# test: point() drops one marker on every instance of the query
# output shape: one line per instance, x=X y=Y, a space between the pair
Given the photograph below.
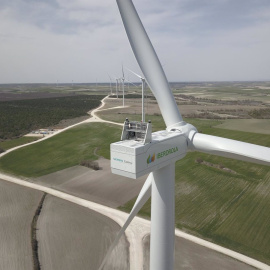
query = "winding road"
x=139 y=227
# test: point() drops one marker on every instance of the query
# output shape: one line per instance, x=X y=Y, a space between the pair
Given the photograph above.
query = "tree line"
x=20 y=117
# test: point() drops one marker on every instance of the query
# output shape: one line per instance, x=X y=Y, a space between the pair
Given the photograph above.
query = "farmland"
x=256 y=91
x=207 y=109
x=5 y=145
x=218 y=199
x=14 y=92
x=215 y=204
x=79 y=236
x=261 y=126
x=61 y=151
x=18 y=205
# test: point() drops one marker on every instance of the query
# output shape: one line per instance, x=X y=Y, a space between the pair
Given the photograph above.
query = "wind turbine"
x=116 y=86
x=129 y=158
x=123 y=86
x=143 y=84
x=110 y=83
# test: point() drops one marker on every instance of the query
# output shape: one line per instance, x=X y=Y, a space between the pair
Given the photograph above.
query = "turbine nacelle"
x=133 y=158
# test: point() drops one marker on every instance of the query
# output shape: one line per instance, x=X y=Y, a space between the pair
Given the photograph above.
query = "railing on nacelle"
x=138 y=131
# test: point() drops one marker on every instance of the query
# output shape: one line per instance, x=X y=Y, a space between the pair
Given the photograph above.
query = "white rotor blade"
x=132 y=83
x=142 y=198
x=135 y=74
x=149 y=63
x=230 y=148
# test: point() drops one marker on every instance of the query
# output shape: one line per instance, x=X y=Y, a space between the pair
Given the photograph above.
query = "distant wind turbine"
x=116 y=86
x=143 y=84
x=110 y=83
x=123 y=85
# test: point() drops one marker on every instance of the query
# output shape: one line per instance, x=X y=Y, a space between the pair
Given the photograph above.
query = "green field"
x=230 y=209
x=16 y=142
x=111 y=115
x=261 y=126
x=61 y=151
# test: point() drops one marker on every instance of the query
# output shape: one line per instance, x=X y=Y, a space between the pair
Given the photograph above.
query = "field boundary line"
x=34 y=241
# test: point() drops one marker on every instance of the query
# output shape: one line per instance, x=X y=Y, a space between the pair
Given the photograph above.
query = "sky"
x=82 y=41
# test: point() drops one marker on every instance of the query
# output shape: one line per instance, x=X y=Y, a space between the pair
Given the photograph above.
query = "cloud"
x=42 y=41
x=61 y=16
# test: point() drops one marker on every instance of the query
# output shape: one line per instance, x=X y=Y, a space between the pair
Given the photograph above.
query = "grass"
x=219 y=205
x=248 y=125
x=61 y=151
x=16 y=142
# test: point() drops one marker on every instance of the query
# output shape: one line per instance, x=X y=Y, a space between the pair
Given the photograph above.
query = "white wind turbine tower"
x=119 y=85
x=110 y=83
x=128 y=157
x=123 y=86
x=116 y=86
x=143 y=84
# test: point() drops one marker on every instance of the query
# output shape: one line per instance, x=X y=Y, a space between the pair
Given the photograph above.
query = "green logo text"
x=167 y=152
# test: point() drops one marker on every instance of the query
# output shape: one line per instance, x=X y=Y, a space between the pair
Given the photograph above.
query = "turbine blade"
x=149 y=63
x=135 y=74
x=142 y=198
x=230 y=148
x=132 y=83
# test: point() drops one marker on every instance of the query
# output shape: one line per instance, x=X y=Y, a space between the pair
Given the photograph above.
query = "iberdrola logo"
x=151 y=159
